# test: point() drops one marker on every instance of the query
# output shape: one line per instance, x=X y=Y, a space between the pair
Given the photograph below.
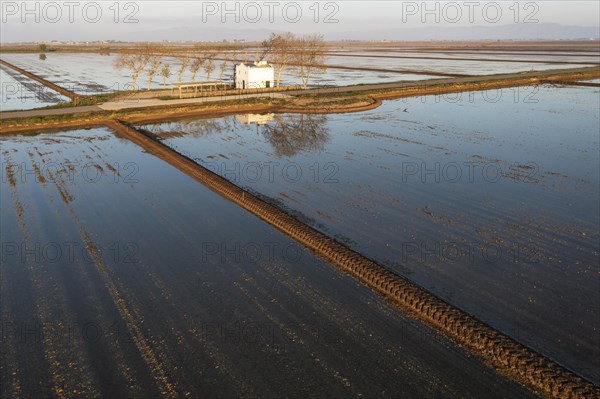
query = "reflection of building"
x=259 y=119
x=250 y=75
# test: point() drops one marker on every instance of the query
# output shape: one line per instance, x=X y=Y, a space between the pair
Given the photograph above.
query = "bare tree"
x=135 y=60
x=153 y=64
x=280 y=49
x=195 y=66
x=234 y=59
x=209 y=64
x=165 y=72
x=267 y=46
x=185 y=60
x=193 y=128
x=309 y=57
x=222 y=70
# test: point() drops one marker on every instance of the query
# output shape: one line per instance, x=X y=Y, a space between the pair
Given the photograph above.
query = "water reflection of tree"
x=291 y=134
x=288 y=134
x=193 y=128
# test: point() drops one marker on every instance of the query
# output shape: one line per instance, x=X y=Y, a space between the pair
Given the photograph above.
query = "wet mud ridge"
x=571 y=83
x=61 y=90
x=542 y=375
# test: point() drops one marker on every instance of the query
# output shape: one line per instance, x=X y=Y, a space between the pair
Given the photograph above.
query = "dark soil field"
x=122 y=277
x=497 y=215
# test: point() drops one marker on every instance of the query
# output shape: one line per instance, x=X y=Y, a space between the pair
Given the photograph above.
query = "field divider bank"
x=72 y=95
x=328 y=100
x=512 y=359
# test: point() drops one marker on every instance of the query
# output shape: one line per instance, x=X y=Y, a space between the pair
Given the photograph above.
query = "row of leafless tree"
x=153 y=60
x=304 y=55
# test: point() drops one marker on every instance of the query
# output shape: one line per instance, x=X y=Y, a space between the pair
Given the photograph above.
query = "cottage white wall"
x=253 y=76
x=259 y=76
x=241 y=74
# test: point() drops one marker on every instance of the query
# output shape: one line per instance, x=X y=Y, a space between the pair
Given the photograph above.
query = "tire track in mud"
x=340 y=317
x=130 y=315
x=219 y=359
x=165 y=295
x=78 y=281
x=242 y=388
x=248 y=282
x=9 y=369
x=63 y=365
x=511 y=358
x=295 y=338
x=334 y=312
x=29 y=281
x=133 y=321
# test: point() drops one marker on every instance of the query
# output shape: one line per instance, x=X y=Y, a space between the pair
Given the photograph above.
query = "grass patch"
x=93 y=99
x=141 y=111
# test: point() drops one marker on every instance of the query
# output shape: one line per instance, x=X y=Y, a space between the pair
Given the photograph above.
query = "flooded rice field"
x=472 y=52
x=123 y=277
x=93 y=73
x=593 y=58
x=459 y=62
x=488 y=199
x=83 y=73
x=20 y=92
x=463 y=67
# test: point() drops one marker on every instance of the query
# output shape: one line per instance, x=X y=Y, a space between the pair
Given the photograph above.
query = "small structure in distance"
x=200 y=86
x=258 y=119
x=254 y=75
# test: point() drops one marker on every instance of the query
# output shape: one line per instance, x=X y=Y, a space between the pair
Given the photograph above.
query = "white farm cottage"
x=250 y=75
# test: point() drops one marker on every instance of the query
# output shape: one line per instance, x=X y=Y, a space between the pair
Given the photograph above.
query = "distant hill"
x=199 y=33
x=502 y=32
x=187 y=30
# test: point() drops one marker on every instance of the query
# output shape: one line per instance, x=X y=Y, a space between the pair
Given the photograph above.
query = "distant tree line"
x=304 y=55
x=152 y=59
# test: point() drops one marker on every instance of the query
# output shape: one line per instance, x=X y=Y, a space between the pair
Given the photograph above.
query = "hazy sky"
x=131 y=20
x=585 y=13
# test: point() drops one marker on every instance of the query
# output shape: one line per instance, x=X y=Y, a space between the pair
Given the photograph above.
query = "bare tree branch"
x=165 y=72
x=309 y=57
x=280 y=49
x=135 y=60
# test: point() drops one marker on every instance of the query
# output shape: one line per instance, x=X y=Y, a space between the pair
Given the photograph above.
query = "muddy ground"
x=122 y=277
